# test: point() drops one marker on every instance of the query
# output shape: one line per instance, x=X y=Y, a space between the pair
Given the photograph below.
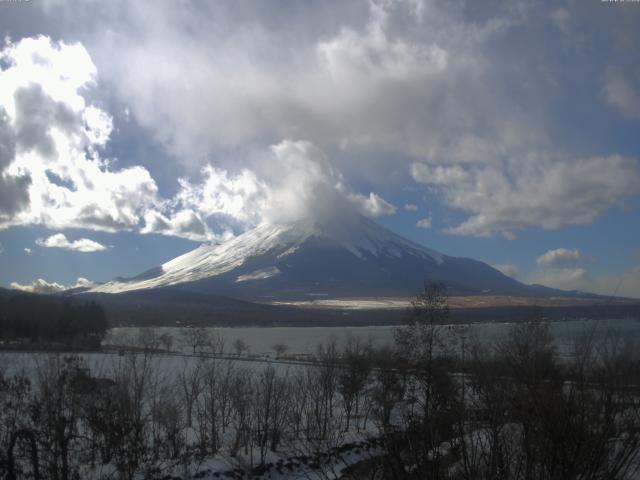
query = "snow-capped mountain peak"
x=361 y=237
x=347 y=256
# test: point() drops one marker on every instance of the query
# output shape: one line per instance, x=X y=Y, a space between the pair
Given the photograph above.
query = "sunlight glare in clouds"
x=57 y=134
x=59 y=139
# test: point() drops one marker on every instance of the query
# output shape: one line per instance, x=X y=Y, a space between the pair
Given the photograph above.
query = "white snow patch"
x=259 y=274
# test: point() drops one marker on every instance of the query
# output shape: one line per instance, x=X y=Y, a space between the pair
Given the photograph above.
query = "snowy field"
x=163 y=379
x=239 y=417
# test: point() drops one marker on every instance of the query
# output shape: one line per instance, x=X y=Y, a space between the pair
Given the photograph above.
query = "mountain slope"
x=308 y=258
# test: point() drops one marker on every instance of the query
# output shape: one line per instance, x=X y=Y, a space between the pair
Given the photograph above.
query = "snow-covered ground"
x=293 y=460
x=166 y=384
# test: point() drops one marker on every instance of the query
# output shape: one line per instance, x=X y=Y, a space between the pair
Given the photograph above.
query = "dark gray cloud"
x=13 y=194
x=36 y=115
x=13 y=189
x=7 y=140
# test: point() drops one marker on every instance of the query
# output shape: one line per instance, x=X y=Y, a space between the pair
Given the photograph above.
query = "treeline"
x=436 y=404
x=48 y=319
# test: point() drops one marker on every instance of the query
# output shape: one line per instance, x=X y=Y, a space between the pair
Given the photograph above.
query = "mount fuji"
x=343 y=257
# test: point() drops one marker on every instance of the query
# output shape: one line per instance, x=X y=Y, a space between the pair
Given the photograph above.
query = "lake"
x=303 y=340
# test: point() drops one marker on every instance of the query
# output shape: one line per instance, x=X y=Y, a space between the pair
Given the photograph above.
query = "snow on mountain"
x=311 y=257
x=261 y=274
x=361 y=238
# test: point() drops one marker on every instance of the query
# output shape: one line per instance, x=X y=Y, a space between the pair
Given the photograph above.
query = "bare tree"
x=168 y=417
x=215 y=404
x=280 y=349
x=323 y=386
x=166 y=340
x=388 y=389
x=241 y=399
x=148 y=339
x=424 y=347
x=197 y=338
x=543 y=418
x=353 y=377
x=15 y=392
x=189 y=380
x=118 y=415
x=270 y=411
x=215 y=342
x=55 y=410
x=240 y=346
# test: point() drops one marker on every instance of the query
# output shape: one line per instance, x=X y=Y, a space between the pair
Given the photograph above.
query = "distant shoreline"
x=455 y=302
x=292 y=316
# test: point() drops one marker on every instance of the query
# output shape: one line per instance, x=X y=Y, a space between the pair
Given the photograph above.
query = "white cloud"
x=214 y=208
x=59 y=240
x=409 y=79
x=561 y=18
x=82 y=282
x=562 y=268
x=303 y=182
x=566 y=269
x=373 y=56
x=621 y=94
x=27 y=250
x=44 y=287
x=538 y=190
x=239 y=197
x=56 y=136
x=300 y=183
x=184 y=223
x=560 y=257
x=564 y=278
x=39 y=286
x=373 y=205
x=307 y=185
x=509 y=269
x=625 y=284
x=410 y=207
x=424 y=222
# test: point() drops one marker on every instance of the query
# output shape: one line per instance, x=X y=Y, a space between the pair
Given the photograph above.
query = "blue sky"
x=133 y=131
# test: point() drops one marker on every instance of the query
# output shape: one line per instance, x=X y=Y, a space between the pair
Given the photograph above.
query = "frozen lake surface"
x=303 y=340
